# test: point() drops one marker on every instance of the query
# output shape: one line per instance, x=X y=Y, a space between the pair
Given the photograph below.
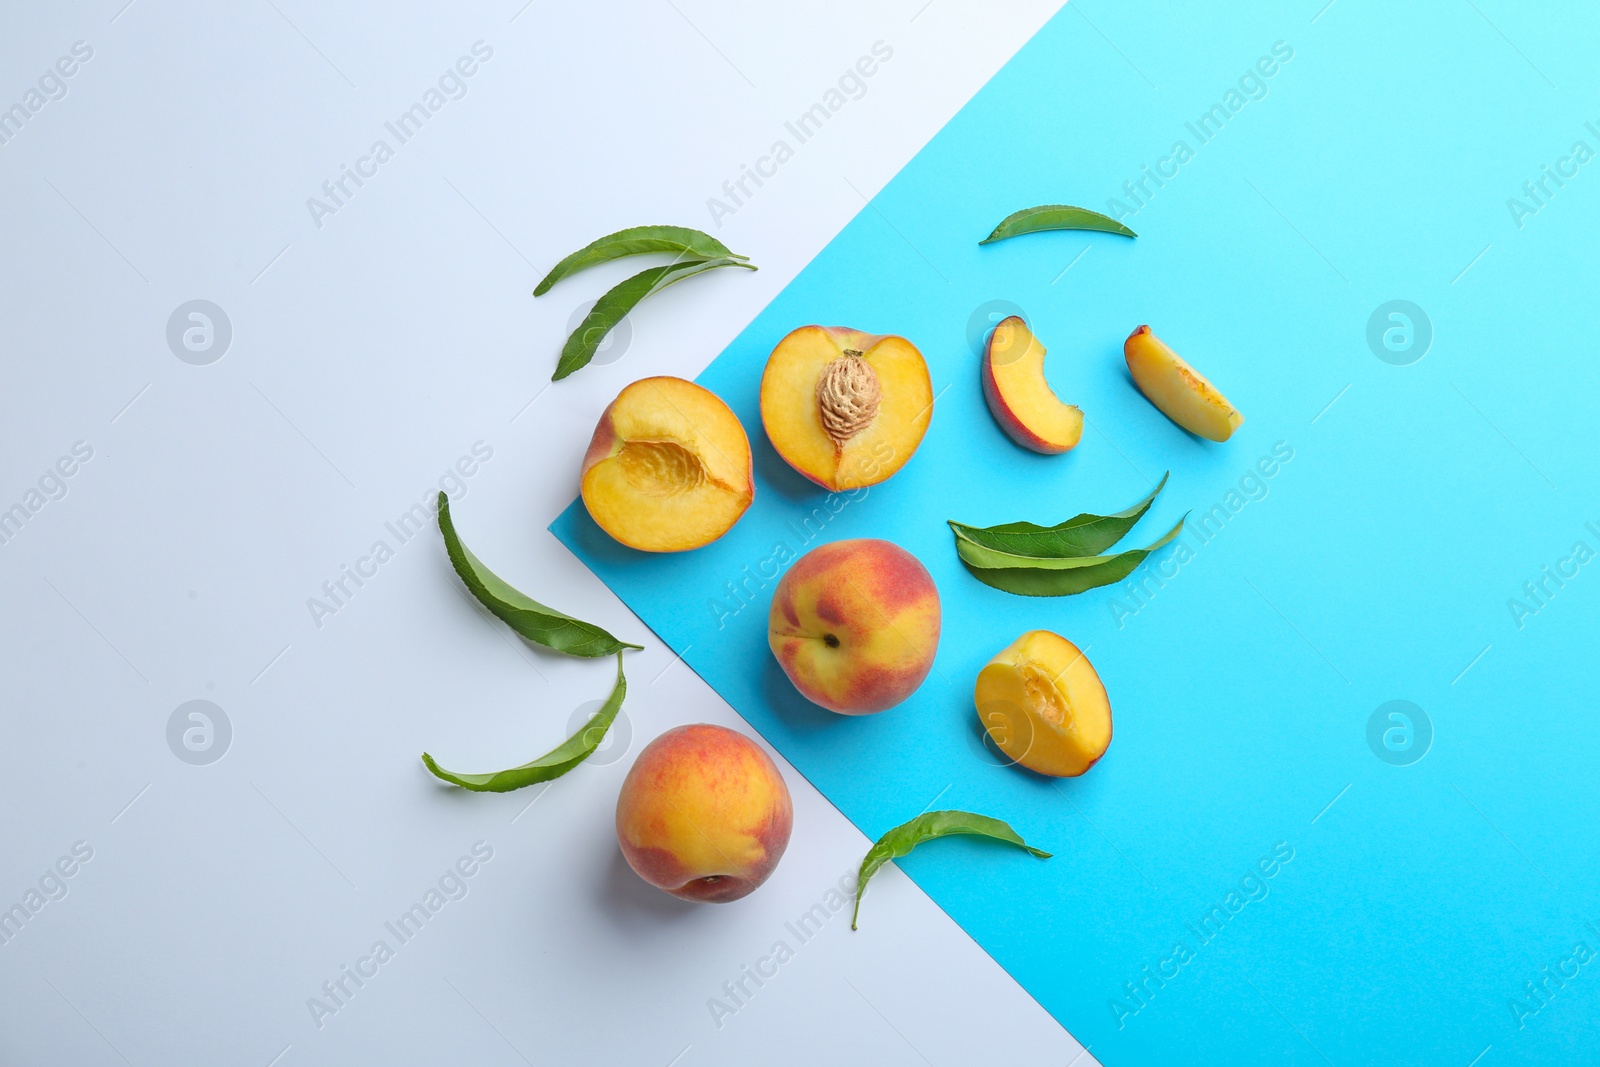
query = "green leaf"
x=637 y=240
x=623 y=298
x=1036 y=576
x=539 y=624
x=1055 y=217
x=553 y=764
x=1081 y=535
x=907 y=836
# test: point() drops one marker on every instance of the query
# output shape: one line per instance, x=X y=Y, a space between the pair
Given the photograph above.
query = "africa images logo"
x=1399 y=733
x=199 y=732
x=199 y=332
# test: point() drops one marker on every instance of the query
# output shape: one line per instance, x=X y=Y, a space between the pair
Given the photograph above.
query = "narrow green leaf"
x=1034 y=576
x=980 y=556
x=1081 y=535
x=1055 y=217
x=637 y=240
x=623 y=298
x=907 y=836
x=553 y=764
x=531 y=619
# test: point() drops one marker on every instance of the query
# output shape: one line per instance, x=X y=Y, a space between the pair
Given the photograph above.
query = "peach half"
x=1179 y=391
x=855 y=625
x=845 y=408
x=668 y=468
x=1044 y=706
x=1019 y=397
x=704 y=814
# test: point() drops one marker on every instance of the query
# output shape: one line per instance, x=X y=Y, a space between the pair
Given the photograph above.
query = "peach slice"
x=1044 y=706
x=668 y=468
x=845 y=408
x=1021 y=400
x=1179 y=391
x=855 y=625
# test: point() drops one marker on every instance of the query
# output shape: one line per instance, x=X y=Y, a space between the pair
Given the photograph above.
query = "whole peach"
x=704 y=814
x=855 y=625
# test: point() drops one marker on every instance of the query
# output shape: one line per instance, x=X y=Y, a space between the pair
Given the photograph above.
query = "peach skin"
x=704 y=814
x=855 y=625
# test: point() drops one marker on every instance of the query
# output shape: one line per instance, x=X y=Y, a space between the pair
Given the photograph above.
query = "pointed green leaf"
x=1034 y=576
x=623 y=298
x=553 y=764
x=531 y=619
x=907 y=836
x=1082 y=535
x=1055 y=217
x=637 y=240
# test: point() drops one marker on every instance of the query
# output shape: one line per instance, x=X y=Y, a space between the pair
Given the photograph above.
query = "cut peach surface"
x=1044 y=706
x=845 y=408
x=1022 y=402
x=1179 y=391
x=668 y=468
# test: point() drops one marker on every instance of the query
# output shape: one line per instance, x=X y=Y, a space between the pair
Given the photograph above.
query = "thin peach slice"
x=1022 y=402
x=1044 y=706
x=845 y=408
x=1180 y=392
x=668 y=468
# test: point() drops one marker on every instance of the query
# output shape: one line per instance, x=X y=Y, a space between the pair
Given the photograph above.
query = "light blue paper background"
x=1378 y=566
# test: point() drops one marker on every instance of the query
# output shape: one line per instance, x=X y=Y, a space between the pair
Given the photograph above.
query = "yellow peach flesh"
x=1044 y=706
x=1020 y=398
x=668 y=468
x=886 y=440
x=1178 y=391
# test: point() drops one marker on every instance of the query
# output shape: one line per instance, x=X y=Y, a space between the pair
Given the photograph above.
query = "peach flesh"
x=845 y=408
x=668 y=468
x=1044 y=706
x=1178 y=391
x=1020 y=398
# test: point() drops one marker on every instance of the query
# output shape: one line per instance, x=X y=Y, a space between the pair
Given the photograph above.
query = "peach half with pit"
x=1020 y=399
x=1044 y=706
x=845 y=408
x=855 y=625
x=704 y=814
x=1178 y=391
x=668 y=468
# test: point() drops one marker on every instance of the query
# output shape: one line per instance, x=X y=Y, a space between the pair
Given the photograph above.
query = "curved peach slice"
x=1022 y=401
x=845 y=408
x=1179 y=391
x=668 y=468
x=1043 y=704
